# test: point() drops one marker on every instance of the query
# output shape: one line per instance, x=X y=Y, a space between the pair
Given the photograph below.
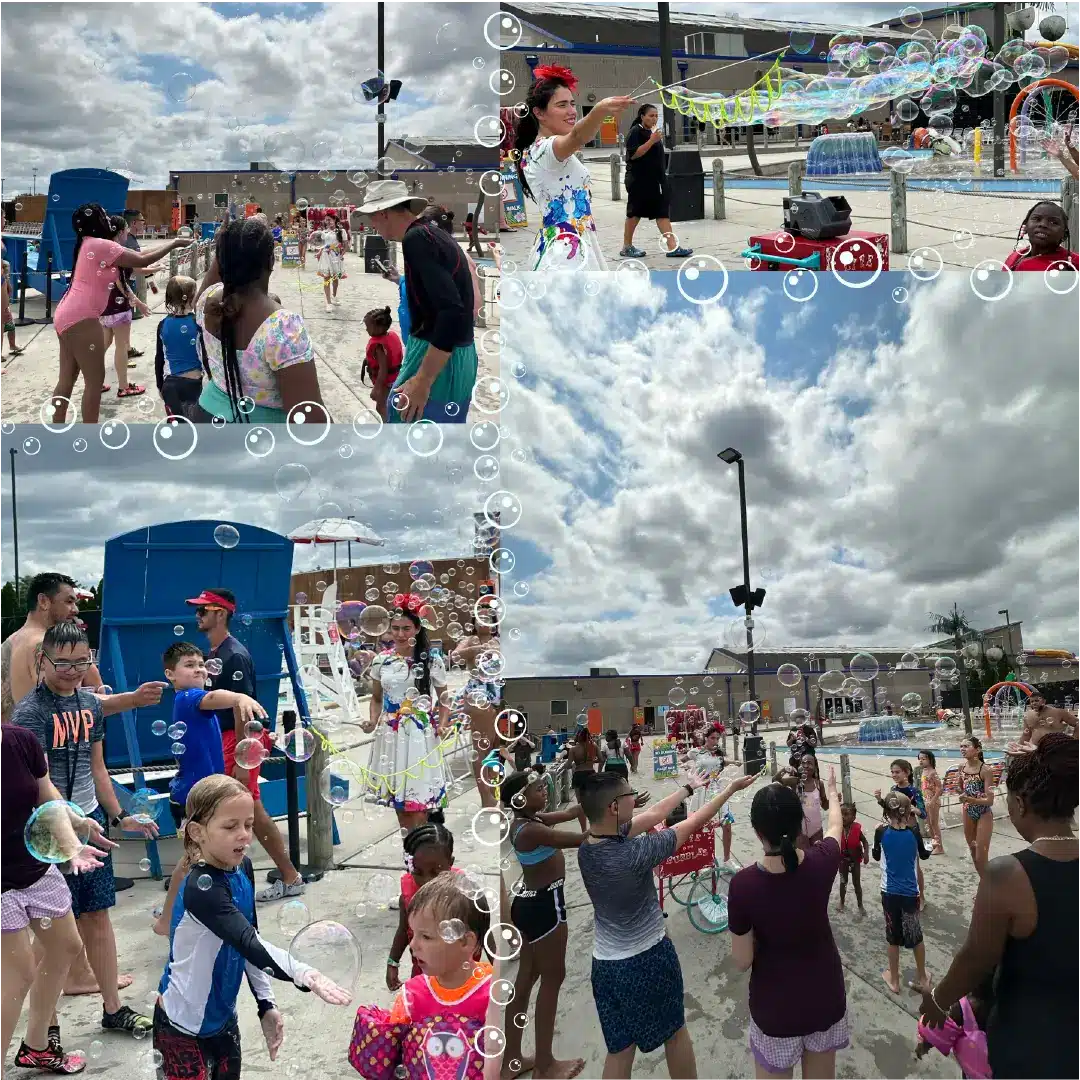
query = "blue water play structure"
x=149 y=573
x=843 y=154
x=68 y=190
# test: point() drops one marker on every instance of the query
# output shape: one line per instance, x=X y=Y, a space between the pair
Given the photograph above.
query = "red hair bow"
x=408 y=602
x=559 y=74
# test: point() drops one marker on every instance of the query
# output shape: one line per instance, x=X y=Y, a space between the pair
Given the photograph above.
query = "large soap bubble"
x=56 y=832
x=331 y=949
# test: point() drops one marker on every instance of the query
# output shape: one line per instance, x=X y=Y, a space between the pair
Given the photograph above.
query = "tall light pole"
x=14 y=525
x=663 y=12
x=34 y=188
x=1008 y=628
x=380 y=119
x=741 y=594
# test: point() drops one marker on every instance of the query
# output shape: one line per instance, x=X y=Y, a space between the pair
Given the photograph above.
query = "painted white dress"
x=408 y=767
x=566 y=239
x=330 y=254
x=711 y=766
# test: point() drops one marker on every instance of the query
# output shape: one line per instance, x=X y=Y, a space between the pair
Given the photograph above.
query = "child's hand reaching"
x=324 y=988
x=273 y=1026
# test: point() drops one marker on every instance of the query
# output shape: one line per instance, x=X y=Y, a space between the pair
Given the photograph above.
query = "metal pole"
x=22 y=320
x=292 y=792
x=48 y=288
x=1000 y=134
x=719 y=200
x=746 y=582
x=1008 y=629
x=14 y=523
x=616 y=163
x=666 y=77
x=380 y=119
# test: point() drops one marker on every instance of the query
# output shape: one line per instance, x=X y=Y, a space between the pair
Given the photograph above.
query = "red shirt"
x=1022 y=261
x=851 y=842
x=392 y=343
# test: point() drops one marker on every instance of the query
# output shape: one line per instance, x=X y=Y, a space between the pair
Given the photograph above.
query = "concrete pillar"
x=796 y=170
x=616 y=165
x=773 y=769
x=719 y=213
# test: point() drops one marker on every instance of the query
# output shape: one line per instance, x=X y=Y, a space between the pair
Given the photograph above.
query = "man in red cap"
x=214 y=609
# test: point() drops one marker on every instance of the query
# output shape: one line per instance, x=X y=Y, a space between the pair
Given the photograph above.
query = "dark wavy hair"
x=528 y=127
x=90 y=220
x=440 y=215
x=421 y=650
x=642 y=110
x=245 y=253
x=1046 y=778
x=776 y=815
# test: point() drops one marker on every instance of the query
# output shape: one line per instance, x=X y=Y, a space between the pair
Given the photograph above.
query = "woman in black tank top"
x=1026 y=915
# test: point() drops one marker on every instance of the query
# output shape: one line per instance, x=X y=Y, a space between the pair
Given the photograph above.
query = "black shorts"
x=189 y=1057
x=621 y=769
x=537 y=912
x=903 y=927
x=579 y=779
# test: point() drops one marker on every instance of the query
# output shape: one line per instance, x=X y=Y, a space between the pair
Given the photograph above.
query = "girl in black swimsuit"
x=583 y=755
x=538 y=910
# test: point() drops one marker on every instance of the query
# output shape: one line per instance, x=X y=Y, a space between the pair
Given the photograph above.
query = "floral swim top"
x=563 y=190
x=279 y=342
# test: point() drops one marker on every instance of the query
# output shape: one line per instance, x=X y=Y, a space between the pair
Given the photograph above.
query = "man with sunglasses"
x=214 y=610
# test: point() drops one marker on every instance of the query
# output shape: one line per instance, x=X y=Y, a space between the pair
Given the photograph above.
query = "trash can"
x=375 y=248
x=686 y=184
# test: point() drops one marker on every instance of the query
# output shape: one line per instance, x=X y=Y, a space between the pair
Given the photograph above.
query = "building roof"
x=695 y=19
x=766 y=660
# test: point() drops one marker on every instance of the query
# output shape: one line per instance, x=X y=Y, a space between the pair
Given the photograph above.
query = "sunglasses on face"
x=201 y=611
x=66 y=666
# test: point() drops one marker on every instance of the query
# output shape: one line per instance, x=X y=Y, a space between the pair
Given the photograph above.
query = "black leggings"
x=189 y=1057
x=181 y=396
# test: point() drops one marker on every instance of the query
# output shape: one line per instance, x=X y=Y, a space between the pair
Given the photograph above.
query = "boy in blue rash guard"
x=195 y=726
x=178 y=369
x=898 y=846
x=214 y=943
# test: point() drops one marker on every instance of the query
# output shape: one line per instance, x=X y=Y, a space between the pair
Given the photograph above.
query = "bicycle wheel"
x=708 y=911
x=680 y=888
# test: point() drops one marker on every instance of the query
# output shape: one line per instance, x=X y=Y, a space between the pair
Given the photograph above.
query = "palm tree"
x=955 y=625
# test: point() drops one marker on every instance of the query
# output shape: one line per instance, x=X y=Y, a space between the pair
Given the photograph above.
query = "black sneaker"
x=127 y=1019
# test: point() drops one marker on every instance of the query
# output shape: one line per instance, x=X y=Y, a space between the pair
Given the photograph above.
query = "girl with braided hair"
x=1024 y=926
x=547 y=142
x=409 y=712
x=1045 y=232
x=259 y=360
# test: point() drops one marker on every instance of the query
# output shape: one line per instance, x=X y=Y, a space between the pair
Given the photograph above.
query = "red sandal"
x=131 y=390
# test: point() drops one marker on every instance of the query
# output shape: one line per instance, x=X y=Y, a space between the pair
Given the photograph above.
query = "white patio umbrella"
x=335 y=531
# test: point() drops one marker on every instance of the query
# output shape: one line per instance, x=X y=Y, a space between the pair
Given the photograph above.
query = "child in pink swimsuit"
x=95 y=266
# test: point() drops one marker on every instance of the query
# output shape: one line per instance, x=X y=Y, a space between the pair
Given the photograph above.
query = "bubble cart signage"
x=290 y=251
x=513 y=198
x=695 y=855
x=665 y=760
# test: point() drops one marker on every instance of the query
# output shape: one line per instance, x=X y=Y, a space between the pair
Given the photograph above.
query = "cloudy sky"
x=74 y=493
x=901 y=454
x=153 y=87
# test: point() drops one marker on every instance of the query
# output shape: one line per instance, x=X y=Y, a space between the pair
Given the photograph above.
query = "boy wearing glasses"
x=69 y=722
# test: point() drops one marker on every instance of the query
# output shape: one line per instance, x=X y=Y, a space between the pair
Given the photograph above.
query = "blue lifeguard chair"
x=68 y=190
x=149 y=574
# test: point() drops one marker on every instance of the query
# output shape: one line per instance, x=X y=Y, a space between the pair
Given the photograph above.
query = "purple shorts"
x=47 y=898
x=779 y=1055
x=109 y=321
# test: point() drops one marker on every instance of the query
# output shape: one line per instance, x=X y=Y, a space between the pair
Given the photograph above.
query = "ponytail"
x=788 y=853
x=528 y=128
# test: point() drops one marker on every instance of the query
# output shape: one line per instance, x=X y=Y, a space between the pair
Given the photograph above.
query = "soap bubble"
x=213 y=666
x=503 y=942
x=293 y=917
x=374 y=621
x=788 y=675
x=178 y=730
x=56 y=832
x=451 y=930
x=250 y=753
x=299 y=744
x=863 y=667
x=226 y=536
x=204 y=882
x=158 y=727
x=911 y=702
x=331 y=949
x=831 y=681
x=144 y=865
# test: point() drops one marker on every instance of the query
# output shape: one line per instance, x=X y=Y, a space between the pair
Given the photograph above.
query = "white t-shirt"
x=397 y=674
